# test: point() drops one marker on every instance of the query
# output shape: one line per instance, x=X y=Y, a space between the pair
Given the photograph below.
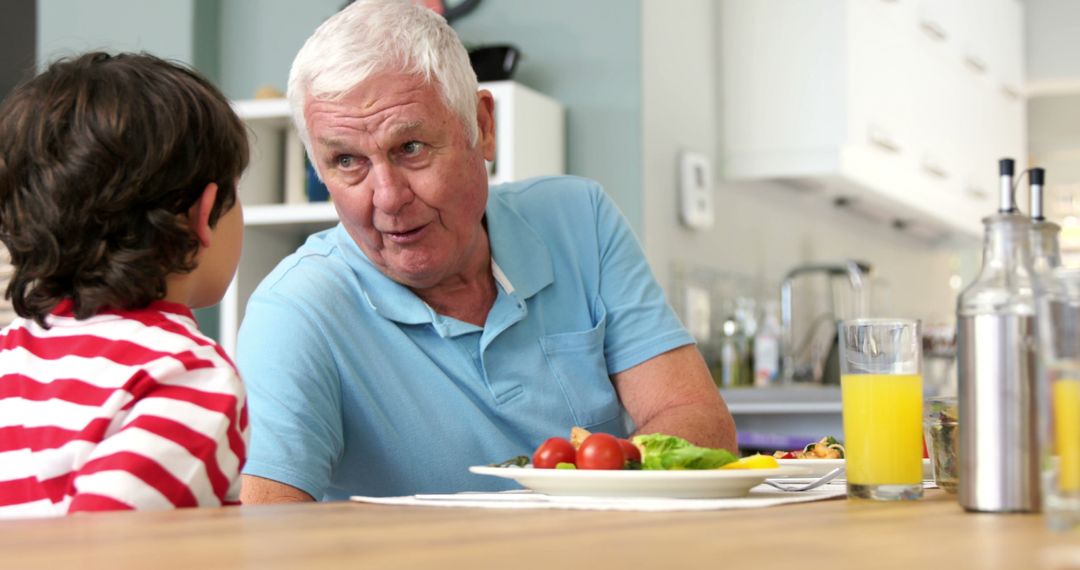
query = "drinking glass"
x=1059 y=398
x=943 y=441
x=881 y=389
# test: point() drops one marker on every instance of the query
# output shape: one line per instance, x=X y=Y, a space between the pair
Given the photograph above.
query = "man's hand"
x=674 y=394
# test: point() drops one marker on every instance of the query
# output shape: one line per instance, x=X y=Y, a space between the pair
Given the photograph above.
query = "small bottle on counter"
x=746 y=318
x=732 y=354
x=767 y=347
x=996 y=358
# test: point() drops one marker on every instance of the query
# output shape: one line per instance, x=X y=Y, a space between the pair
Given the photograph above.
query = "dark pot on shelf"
x=494 y=63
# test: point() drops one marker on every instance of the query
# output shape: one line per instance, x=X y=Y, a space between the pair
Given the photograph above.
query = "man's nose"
x=391 y=190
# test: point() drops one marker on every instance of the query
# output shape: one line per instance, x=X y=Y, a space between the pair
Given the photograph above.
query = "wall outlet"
x=698 y=312
x=695 y=191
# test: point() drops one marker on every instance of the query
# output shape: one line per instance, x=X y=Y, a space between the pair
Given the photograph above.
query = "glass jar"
x=942 y=429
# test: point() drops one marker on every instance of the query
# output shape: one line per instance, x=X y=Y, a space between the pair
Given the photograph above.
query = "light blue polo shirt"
x=357 y=387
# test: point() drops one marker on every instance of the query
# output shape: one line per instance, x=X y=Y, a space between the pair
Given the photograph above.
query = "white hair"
x=368 y=37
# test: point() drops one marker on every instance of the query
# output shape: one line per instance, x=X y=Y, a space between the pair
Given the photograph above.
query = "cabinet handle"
x=934 y=30
x=881 y=139
x=1011 y=92
x=975 y=63
x=934 y=167
x=977 y=192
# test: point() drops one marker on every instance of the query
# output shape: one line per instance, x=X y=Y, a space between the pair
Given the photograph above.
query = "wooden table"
x=933 y=533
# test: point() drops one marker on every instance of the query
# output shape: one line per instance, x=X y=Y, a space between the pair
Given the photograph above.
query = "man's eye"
x=412 y=148
x=345 y=161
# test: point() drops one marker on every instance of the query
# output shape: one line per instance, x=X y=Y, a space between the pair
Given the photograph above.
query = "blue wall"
x=259 y=39
x=586 y=54
x=68 y=27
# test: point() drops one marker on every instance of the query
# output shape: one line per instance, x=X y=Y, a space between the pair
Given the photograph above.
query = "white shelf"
x=274 y=111
x=285 y=214
x=529 y=133
x=1052 y=88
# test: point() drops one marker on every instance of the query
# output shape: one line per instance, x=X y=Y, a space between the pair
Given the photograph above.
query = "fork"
x=811 y=485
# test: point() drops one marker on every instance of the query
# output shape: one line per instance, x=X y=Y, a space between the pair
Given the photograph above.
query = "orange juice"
x=1066 y=413
x=883 y=428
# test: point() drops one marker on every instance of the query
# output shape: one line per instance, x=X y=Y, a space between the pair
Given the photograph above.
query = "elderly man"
x=444 y=324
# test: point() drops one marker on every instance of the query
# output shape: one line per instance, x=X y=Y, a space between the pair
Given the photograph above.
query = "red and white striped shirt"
x=124 y=410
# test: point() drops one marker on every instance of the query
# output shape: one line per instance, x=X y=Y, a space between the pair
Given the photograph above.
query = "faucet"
x=855 y=272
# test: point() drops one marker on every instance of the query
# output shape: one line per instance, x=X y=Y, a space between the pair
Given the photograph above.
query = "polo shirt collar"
x=385 y=296
x=518 y=251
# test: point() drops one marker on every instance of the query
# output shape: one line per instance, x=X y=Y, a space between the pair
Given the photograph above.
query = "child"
x=118 y=206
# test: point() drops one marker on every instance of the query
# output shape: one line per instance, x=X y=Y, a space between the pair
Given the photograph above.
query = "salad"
x=827 y=448
x=656 y=451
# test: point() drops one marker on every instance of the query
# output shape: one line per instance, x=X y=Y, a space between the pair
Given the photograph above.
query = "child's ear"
x=199 y=215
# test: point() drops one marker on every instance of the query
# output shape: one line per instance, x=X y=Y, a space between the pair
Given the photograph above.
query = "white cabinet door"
x=922 y=102
x=879 y=105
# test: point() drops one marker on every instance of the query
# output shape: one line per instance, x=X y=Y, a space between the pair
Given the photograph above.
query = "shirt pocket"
x=577 y=362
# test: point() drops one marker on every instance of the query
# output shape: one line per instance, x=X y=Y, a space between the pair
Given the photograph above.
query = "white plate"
x=819 y=467
x=688 y=484
x=813 y=467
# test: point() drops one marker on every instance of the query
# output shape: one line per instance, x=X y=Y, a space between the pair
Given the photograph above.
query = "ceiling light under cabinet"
x=885 y=215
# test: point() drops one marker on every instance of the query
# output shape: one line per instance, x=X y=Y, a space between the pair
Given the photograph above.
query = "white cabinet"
x=529 y=136
x=278 y=216
x=898 y=109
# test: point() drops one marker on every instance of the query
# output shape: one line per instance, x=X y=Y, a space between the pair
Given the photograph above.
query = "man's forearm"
x=674 y=394
x=703 y=424
x=259 y=491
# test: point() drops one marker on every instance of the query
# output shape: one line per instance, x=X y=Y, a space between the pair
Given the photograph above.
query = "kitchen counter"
x=767 y=418
x=785 y=400
x=836 y=534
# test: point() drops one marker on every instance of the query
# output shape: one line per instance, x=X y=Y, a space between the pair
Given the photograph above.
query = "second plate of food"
x=819 y=467
x=812 y=467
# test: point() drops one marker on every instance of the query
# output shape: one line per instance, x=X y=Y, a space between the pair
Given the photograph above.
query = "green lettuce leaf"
x=661 y=451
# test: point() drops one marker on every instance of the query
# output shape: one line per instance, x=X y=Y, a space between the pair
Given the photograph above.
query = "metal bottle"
x=999 y=470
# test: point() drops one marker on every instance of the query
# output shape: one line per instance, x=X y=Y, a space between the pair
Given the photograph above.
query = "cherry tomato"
x=600 y=451
x=552 y=452
x=630 y=450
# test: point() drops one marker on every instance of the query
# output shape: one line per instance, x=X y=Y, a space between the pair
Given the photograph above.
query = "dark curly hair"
x=101 y=157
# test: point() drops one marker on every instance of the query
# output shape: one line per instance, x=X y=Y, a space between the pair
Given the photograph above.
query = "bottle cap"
x=1006 y=166
x=1035 y=177
x=1006 y=199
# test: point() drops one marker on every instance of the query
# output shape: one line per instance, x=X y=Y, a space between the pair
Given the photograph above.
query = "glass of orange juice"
x=1059 y=397
x=881 y=389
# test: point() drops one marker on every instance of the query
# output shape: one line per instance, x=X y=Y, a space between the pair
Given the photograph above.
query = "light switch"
x=695 y=191
x=698 y=312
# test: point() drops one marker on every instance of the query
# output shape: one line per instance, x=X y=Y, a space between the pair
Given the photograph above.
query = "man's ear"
x=199 y=214
x=485 y=118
